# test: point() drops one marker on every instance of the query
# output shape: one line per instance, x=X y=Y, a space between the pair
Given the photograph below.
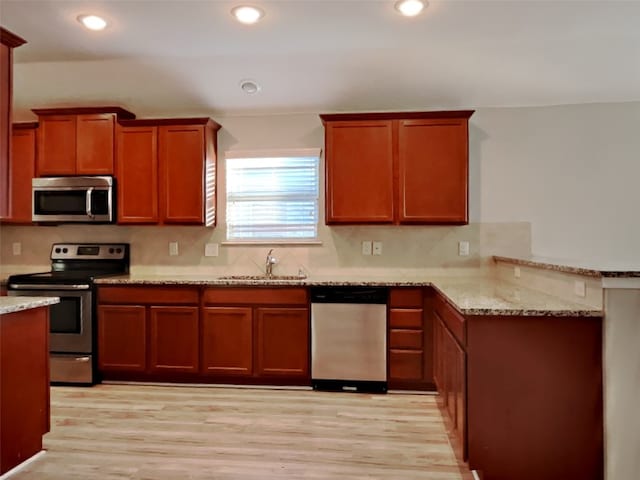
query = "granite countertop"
x=15 y=304
x=593 y=269
x=480 y=295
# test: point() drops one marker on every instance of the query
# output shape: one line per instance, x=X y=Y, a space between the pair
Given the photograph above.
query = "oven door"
x=70 y=321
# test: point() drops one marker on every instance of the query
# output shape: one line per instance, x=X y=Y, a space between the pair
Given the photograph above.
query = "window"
x=272 y=196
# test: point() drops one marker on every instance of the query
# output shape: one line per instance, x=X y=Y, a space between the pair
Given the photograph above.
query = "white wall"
x=572 y=171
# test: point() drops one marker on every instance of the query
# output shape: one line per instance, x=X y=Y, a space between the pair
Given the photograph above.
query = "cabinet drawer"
x=405 y=318
x=406 y=364
x=255 y=296
x=405 y=298
x=148 y=295
x=451 y=318
x=411 y=339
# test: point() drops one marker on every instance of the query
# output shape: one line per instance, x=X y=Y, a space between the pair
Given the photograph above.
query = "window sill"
x=270 y=242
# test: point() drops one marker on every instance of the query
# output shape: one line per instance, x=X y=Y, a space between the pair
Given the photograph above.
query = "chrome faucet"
x=269 y=263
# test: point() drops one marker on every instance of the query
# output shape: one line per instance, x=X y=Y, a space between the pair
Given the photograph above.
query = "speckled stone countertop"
x=481 y=295
x=15 y=304
x=572 y=266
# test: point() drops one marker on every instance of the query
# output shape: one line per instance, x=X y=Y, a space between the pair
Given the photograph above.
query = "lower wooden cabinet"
x=174 y=333
x=122 y=338
x=409 y=341
x=258 y=334
x=24 y=385
x=147 y=332
x=227 y=341
x=217 y=335
x=521 y=395
x=283 y=342
x=450 y=374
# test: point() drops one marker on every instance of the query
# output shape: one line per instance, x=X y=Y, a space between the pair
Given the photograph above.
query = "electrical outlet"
x=366 y=247
x=173 y=248
x=211 y=250
x=377 y=248
x=17 y=248
x=580 y=288
x=516 y=272
x=463 y=249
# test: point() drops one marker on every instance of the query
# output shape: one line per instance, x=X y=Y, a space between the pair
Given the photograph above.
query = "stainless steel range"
x=72 y=327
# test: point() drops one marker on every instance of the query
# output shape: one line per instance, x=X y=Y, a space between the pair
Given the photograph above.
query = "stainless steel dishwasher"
x=349 y=338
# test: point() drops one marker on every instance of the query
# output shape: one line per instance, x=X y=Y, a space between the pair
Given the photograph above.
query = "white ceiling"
x=170 y=56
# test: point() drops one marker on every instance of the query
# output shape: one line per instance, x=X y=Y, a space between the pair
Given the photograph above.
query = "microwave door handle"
x=88 y=202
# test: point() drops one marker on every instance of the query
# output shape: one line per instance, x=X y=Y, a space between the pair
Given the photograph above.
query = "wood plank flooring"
x=143 y=432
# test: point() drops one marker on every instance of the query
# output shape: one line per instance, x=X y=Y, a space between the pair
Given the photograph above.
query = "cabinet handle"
x=88 y=202
x=83 y=359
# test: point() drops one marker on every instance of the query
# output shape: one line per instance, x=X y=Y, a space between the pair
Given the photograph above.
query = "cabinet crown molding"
x=10 y=39
x=337 y=117
x=120 y=112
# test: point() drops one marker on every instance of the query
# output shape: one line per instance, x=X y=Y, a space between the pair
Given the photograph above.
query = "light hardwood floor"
x=147 y=432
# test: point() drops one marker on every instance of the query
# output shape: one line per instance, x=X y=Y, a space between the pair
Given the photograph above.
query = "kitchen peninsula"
x=24 y=377
x=508 y=362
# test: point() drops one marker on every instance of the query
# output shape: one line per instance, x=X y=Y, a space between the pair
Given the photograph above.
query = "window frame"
x=271 y=153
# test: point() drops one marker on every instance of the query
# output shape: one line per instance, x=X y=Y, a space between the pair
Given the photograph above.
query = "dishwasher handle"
x=349 y=294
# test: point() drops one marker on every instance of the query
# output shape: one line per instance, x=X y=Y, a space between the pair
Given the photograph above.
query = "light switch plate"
x=580 y=288
x=211 y=250
x=366 y=247
x=516 y=272
x=173 y=248
x=17 y=248
x=463 y=249
x=377 y=248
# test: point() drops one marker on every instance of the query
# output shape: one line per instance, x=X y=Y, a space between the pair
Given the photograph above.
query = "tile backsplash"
x=403 y=247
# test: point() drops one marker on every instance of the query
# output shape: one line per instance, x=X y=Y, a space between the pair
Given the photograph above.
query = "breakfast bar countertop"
x=15 y=304
x=470 y=295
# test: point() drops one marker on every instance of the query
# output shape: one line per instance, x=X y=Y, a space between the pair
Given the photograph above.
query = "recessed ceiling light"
x=247 y=14
x=92 y=22
x=410 y=8
x=249 y=86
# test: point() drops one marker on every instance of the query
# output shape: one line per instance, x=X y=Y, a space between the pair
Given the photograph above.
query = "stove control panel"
x=89 y=251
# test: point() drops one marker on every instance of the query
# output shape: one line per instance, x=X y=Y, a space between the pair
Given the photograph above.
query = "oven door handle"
x=88 y=203
x=49 y=288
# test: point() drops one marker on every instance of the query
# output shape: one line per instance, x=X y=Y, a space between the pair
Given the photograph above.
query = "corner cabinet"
x=77 y=141
x=521 y=395
x=166 y=171
x=397 y=168
x=8 y=41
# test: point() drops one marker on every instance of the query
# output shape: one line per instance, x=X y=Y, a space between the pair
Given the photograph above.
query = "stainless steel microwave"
x=73 y=200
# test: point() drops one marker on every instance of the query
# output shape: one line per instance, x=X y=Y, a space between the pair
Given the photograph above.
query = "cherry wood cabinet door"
x=21 y=171
x=359 y=172
x=137 y=173
x=56 y=145
x=174 y=335
x=95 y=140
x=182 y=173
x=227 y=341
x=122 y=338
x=283 y=342
x=6 y=74
x=433 y=171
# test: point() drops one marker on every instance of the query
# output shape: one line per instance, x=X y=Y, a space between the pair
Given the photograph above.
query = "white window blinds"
x=272 y=197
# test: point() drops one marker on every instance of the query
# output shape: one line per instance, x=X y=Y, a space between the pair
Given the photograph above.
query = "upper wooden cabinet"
x=77 y=141
x=21 y=171
x=166 y=171
x=397 y=168
x=8 y=41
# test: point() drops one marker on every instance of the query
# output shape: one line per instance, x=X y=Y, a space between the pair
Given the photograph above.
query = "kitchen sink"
x=263 y=277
